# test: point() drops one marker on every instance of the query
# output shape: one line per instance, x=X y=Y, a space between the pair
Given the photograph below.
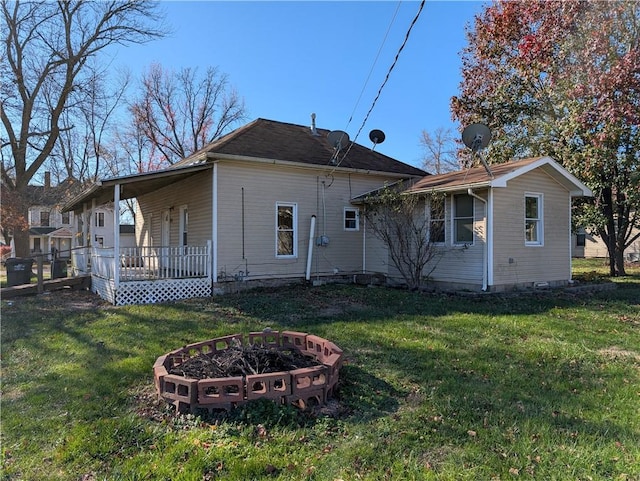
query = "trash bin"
x=18 y=271
x=58 y=268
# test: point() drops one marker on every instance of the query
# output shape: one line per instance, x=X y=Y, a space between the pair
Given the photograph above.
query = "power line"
x=375 y=60
x=375 y=100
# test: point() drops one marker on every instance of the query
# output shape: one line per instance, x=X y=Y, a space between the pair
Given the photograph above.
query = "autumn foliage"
x=562 y=78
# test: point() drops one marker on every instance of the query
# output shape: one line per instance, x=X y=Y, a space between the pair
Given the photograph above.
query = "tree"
x=180 y=112
x=46 y=50
x=440 y=151
x=562 y=78
x=399 y=221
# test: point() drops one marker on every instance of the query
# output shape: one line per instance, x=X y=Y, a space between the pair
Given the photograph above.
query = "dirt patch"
x=615 y=352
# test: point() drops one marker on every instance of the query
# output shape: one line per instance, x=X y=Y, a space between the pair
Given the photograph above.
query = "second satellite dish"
x=338 y=139
x=377 y=137
x=476 y=136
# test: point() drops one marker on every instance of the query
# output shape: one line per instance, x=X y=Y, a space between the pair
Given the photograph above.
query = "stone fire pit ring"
x=303 y=388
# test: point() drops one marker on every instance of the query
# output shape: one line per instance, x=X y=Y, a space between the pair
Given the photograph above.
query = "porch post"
x=214 y=221
x=116 y=236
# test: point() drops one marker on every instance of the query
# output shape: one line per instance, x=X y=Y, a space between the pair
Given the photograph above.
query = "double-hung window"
x=99 y=219
x=351 y=219
x=462 y=219
x=533 y=231
x=44 y=218
x=286 y=230
x=436 y=220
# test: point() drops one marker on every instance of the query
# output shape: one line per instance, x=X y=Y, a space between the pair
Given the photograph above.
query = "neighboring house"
x=507 y=228
x=49 y=227
x=273 y=202
x=591 y=245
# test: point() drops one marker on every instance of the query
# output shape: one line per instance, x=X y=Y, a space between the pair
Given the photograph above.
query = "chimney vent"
x=313 y=125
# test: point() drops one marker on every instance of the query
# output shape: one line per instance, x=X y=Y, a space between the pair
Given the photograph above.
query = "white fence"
x=152 y=262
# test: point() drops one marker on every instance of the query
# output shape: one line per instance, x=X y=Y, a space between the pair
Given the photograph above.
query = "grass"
x=541 y=386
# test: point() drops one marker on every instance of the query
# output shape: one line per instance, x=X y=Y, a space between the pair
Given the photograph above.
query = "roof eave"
x=214 y=156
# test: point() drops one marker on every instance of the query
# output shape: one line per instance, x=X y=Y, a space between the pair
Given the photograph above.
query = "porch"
x=146 y=274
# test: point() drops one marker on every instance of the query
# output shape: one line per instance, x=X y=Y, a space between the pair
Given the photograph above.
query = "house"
x=269 y=202
x=505 y=227
x=275 y=202
x=50 y=229
x=588 y=244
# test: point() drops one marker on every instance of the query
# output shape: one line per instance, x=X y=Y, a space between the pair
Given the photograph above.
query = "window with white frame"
x=184 y=225
x=533 y=232
x=351 y=219
x=286 y=230
x=66 y=218
x=462 y=219
x=436 y=220
x=99 y=219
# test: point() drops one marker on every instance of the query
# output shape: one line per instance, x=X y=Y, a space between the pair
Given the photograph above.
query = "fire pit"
x=303 y=387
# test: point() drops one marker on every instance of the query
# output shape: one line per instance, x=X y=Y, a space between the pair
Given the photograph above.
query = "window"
x=99 y=219
x=184 y=225
x=36 y=244
x=44 y=218
x=533 y=219
x=581 y=240
x=351 y=219
x=463 y=219
x=286 y=232
x=100 y=241
x=436 y=220
x=65 y=218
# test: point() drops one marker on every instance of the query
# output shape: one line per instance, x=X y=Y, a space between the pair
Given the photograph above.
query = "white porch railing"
x=152 y=262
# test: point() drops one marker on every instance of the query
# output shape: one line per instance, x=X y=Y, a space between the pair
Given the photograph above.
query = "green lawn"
x=540 y=386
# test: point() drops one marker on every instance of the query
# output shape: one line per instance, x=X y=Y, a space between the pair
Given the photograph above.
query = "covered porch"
x=141 y=274
x=146 y=275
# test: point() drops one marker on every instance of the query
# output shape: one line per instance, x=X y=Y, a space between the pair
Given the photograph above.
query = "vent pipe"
x=313 y=125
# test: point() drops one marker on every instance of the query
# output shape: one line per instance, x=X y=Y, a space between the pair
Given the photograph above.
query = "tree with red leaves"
x=562 y=78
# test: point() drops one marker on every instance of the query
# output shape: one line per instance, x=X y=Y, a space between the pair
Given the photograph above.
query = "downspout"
x=312 y=233
x=485 y=249
x=570 y=243
x=364 y=244
x=214 y=222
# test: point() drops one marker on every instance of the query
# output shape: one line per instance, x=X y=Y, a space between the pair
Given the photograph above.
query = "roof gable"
x=268 y=139
x=502 y=174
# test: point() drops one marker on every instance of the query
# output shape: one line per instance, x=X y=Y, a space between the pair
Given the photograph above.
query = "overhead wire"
x=375 y=61
x=375 y=100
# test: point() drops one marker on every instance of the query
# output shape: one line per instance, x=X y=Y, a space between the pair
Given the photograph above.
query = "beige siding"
x=195 y=193
x=515 y=263
x=461 y=265
x=247 y=242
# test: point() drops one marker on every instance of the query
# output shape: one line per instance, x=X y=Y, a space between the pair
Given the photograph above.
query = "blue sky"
x=289 y=59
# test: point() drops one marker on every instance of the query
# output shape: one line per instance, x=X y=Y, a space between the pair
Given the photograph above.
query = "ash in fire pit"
x=243 y=361
x=222 y=373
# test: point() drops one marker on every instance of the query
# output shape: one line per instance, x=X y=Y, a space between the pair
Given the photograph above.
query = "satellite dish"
x=476 y=136
x=377 y=137
x=338 y=139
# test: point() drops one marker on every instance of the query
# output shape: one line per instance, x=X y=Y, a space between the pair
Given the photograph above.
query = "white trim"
x=214 y=222
x=356 y=219
x=116 y=235
x=294 y=213
x=540 y=219
x=181 y=225
x=489 y=235
x=454 y=241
